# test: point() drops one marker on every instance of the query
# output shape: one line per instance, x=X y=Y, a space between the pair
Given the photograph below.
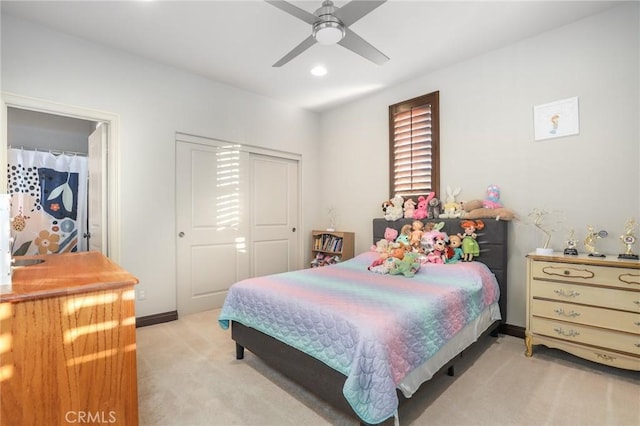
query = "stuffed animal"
x=394 y=211
x=454 y=249
x=381 y=246
x=473 y=210
x=492 y=200
x=408 y=266
x=382 y=266
x=405 y=235
x=409 y=208
x=421 y=209
x=428 y=236
x=451 y=208
x=398 y=251
x=439 y=252
x=416 y=233
x=470 y=246
x=390 y=234
x=433 y=210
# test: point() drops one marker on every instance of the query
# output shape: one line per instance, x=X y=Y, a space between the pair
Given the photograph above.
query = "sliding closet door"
x=274 y=214
x=237 y=217
x=212 y=184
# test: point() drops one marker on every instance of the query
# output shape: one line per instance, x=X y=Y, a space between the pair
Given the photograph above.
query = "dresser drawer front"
x=623 y=278
x=605 y=297
x=625 y=342
x=587 y=315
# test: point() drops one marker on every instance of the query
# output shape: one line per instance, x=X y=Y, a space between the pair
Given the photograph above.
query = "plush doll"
x=409 y=208
x=439 y=252
x=394 y=212
x=408 y=266
x=451 y=208
x=433 y=209
x=454 y=249
x=473 y=210
x=416 y=233
x=470 y=246
x=381 y=246
x=492 y=200
x=428 y=236
x=405 y=235
x=383 y=266
x=398 y=251
x=390 y=234
x=421 y=209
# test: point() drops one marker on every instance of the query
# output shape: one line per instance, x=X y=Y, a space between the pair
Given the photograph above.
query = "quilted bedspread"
x=372 y=328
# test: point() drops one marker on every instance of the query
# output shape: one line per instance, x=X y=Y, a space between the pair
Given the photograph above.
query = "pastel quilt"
x=372 y=328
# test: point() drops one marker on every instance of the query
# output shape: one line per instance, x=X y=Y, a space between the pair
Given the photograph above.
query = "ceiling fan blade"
x=307 y=17
x=306 y=43
x=356 y=9
x=357 y=44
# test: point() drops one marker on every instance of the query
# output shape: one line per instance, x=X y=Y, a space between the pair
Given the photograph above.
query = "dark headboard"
x=492 y=240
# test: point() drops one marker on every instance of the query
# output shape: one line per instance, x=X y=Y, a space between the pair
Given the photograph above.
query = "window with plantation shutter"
x=414 y=146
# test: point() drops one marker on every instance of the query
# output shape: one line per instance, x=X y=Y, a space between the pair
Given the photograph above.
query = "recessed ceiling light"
x=319 y=71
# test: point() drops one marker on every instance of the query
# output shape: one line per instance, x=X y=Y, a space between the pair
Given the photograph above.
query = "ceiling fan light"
x=328 y=32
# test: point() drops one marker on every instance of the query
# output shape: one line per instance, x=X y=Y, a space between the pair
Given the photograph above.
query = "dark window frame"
x=432 y=99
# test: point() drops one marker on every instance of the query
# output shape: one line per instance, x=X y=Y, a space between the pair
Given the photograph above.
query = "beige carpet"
x=188 y=375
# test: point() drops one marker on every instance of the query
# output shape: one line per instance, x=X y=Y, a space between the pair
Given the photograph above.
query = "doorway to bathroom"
x=60 y=160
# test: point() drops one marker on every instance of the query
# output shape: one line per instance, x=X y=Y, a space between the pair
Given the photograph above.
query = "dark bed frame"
x=327 y=383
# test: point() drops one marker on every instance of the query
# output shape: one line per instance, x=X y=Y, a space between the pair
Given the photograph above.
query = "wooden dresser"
x=67 y=343
x=586 y=306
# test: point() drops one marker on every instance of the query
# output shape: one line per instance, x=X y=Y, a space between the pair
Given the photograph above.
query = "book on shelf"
x=328 y=242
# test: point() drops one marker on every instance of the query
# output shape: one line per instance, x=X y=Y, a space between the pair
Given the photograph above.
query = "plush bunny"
x=451 y=207
x=409 y=208
x=423 y=203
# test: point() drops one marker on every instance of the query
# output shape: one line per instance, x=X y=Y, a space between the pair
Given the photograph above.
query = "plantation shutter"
x=414 y=146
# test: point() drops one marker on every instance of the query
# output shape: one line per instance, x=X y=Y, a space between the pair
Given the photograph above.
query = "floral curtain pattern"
x=48 y=202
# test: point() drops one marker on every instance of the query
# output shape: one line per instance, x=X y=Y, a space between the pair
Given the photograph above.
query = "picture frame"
x=556 y=119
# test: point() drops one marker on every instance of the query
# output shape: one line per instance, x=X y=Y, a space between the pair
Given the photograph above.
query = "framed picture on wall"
x=556 y=119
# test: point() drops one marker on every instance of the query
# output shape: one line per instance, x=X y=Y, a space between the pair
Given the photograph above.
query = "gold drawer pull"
x=637 y=323
x=637 y=345
x=570 y=293
x=605 y=357
x=570 y=314
x=637 y=302
x=570 y=333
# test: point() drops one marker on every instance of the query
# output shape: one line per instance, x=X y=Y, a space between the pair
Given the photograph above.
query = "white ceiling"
x=237 y=42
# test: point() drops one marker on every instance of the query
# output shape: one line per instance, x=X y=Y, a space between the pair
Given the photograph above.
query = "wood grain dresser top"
x=64 y=274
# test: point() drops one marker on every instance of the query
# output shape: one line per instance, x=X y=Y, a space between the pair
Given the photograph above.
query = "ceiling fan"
x=330 y=24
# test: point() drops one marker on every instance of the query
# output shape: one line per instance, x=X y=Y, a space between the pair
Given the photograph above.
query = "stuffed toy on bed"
x=408 y=266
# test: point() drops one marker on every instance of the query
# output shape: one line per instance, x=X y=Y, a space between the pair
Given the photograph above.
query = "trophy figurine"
x=628 y=239
x=571 y=245
x=590 y=241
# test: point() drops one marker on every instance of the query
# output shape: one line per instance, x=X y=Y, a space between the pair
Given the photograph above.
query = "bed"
x=366 y=342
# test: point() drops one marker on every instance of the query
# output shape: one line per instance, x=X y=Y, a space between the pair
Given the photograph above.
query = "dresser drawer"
x=624 y=278
x=587 y=315
x=605 y=297
x=618 y=341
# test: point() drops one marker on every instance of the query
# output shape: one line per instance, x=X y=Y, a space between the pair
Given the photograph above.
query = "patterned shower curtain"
x=48 y=202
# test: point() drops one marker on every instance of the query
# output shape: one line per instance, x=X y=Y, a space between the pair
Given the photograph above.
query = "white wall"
x=153 y=103
x=486 y=123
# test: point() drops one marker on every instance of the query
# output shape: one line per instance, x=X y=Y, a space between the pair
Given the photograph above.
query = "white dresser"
x=586 y=306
